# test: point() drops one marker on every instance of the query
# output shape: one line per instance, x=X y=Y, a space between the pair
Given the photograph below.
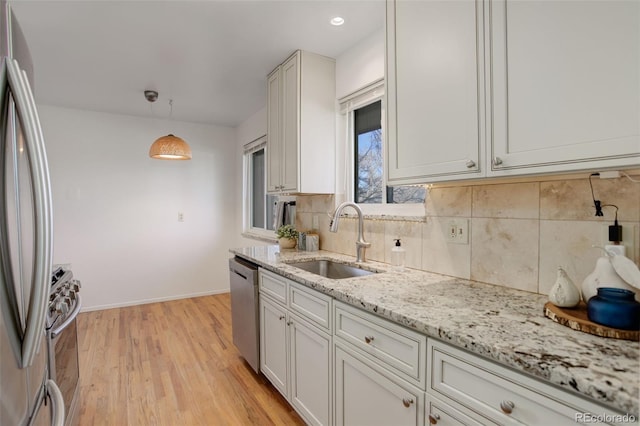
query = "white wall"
x=361 y=65
x=115 y=209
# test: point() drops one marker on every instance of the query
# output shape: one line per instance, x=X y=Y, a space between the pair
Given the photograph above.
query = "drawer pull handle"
x=433 y=418
x=407 y=402
x=281 y=317
x=368 y=339
x=507 y=407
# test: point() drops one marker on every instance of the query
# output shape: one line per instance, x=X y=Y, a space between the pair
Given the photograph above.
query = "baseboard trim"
x=156 y=300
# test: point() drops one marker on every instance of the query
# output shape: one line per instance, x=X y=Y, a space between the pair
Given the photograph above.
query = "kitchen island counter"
x=502 y=324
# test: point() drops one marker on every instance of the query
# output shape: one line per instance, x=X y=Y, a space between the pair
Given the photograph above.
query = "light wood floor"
x=174 y=364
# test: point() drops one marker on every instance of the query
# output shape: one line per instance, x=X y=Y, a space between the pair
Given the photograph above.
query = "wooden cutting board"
x=576 y=319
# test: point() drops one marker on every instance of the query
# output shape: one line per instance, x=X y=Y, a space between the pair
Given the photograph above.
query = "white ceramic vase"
x=564 y=293
x=604 y=275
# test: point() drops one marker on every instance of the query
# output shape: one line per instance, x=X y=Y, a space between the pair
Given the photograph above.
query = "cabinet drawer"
x=499 y=393
x=441 y=414
x=273 y=285
x=403 y=350
x=313 y=306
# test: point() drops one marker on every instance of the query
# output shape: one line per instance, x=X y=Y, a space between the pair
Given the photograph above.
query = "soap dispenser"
x=397 y=256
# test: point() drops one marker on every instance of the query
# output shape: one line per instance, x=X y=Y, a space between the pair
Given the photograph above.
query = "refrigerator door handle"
x=8 y=298
x=57 y=403
x=34 y=140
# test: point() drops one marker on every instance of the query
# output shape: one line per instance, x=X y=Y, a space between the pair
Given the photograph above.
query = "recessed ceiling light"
x=337 y=21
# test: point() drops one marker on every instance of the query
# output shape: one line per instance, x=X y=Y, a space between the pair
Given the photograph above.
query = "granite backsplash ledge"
x=502 y=324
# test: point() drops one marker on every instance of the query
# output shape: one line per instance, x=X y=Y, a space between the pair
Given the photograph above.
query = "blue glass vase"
x=614 y=307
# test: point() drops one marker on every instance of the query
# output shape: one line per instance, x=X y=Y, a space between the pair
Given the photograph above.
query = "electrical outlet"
x=180 y=217
x=315 y=222
x=458 y=231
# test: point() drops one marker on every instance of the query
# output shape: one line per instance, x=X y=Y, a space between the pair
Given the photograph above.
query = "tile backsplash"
x=519 y=233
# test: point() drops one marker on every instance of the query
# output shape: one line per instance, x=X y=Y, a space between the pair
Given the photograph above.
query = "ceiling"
x=210 y=57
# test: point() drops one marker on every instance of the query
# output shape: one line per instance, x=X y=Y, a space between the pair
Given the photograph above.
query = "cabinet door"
x=310 y=354
x=435 y=90
x=273 y=343
x=566 y=85
x=274 y=142
x=290 y=122
x=365 y=396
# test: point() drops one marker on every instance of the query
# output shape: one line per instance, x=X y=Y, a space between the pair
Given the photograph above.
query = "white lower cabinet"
x=491 y=393
x=295 y=354
x=368 y=395
x=337 y=364
x=273 y=343
x=310 y=368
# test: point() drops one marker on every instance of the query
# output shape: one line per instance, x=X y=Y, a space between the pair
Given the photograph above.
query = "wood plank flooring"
x=174 y=364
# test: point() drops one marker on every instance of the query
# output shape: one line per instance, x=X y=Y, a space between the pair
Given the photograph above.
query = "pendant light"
x=168 y=147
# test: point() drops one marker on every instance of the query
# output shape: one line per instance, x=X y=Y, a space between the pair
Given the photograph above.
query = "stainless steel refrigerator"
x=27 y=396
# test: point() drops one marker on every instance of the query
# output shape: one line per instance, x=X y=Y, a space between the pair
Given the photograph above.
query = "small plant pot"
x=286 y=243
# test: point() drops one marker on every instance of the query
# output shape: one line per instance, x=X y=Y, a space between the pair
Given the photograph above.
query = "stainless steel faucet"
x=361 y=244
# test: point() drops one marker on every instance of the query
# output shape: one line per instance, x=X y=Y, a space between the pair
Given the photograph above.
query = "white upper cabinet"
x=511 y=87
x=435 y=90
x=565 y=85
x=301 y=114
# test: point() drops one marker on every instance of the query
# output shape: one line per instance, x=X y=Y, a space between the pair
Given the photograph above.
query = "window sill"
x=260 y=237
x=393 y=212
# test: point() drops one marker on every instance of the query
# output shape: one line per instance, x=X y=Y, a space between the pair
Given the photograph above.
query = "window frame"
x=368 y=95
x=248 y=229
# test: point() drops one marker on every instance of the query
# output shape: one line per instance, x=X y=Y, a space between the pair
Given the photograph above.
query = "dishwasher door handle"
x=238 y=273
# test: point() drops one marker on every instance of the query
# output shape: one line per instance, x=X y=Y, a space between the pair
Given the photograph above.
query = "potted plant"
x=287 y=236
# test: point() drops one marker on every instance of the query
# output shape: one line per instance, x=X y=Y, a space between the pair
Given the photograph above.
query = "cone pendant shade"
x=170 y=147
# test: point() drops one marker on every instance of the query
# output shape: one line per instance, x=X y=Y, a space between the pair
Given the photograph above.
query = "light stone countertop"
x=502 y=324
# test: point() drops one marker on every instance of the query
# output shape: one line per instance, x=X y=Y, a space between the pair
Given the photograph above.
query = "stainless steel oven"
x=62 y=331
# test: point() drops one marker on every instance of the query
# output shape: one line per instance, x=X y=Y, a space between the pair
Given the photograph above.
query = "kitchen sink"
x=330 y=269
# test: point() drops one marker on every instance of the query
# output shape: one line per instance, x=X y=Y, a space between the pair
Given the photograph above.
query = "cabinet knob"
x=497 y=161
x=507 y=407
x=470 y=164
x=289 y=322
x=433 y=418
x=407 y=402
x=281 y=317
x=368 y=339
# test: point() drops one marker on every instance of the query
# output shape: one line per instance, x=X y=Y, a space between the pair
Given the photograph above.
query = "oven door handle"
x=70 y=318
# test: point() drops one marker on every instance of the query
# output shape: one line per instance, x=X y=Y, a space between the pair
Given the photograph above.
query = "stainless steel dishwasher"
x=245 y=320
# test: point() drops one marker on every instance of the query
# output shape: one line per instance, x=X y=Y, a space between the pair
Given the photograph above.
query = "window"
x=364 y=112
x=258 y=204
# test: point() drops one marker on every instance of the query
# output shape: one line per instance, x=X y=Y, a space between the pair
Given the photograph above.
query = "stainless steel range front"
x=64 y=306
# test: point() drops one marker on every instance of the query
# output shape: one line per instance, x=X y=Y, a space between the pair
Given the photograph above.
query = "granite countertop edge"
x=502 y=324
